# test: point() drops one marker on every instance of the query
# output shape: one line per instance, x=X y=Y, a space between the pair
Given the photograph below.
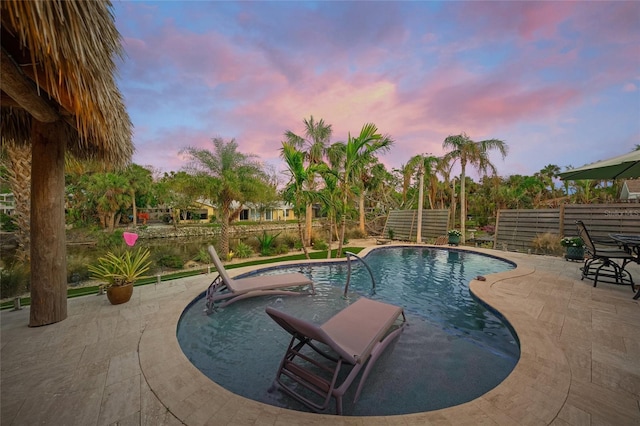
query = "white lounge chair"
x=353 y=338
x=228 y=290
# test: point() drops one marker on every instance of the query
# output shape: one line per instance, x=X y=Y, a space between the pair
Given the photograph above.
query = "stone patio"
x=108 y=365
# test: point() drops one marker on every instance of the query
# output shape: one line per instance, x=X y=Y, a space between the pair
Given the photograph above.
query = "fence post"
x=495 y=231
x=561 y=230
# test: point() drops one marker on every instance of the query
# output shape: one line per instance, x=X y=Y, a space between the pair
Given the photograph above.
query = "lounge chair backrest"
x=304 y=329
x=219 y=267
x=584 y=235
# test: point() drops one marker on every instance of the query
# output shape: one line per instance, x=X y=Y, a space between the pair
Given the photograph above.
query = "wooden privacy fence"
x=403 y=224
x=516 y=229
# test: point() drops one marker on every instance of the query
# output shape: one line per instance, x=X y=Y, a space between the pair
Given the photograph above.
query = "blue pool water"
x=453 y=350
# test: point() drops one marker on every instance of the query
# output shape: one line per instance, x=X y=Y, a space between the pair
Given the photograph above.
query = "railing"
x=373 y=280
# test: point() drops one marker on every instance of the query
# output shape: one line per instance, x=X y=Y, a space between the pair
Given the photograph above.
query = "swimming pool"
x=453 y=350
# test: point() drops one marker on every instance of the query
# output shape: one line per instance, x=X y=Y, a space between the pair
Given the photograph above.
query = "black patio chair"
x=602 y=260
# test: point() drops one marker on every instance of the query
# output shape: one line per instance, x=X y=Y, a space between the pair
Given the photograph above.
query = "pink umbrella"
x=130 y=238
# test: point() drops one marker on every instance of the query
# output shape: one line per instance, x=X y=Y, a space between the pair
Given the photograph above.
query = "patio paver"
x=106 y=365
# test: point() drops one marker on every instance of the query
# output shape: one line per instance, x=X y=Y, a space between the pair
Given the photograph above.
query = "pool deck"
x=108 y=365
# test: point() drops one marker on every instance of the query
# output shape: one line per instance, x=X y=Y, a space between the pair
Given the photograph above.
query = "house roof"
x=633 y=186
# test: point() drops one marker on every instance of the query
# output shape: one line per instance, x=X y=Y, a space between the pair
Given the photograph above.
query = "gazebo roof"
x=58 y=62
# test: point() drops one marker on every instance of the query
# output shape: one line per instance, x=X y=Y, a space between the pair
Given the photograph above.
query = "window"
x=244 y=214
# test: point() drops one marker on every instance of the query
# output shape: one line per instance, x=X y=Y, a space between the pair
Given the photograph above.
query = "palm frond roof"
x=65 y=52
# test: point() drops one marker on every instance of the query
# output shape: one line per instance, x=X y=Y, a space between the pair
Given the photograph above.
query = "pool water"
x=453 y=350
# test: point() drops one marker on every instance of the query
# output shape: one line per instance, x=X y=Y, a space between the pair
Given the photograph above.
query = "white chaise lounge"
x=227 y=290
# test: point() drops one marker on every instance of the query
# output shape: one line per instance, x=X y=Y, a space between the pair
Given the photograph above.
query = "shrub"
x=266 y=243
x=14 y=280
x=202 y=256
x=167 y=257
x=289 y=240
x=320 y=245
x=547 y=243
x=111 y=241
x=171 y=261
x=356 y=233
x=243 y=250
x=7 y=223
x=77 y=268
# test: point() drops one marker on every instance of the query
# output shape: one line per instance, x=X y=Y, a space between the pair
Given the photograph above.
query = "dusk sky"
x=559 y=82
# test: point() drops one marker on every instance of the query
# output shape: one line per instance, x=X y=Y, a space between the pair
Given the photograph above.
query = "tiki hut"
x=59 y=97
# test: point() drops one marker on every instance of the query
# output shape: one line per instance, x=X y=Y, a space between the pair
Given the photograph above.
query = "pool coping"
x=534 y=392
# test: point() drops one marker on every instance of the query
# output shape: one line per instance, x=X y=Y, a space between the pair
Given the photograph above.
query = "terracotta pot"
x=119 y=294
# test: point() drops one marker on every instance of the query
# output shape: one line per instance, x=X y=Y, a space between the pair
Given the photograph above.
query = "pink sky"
x=557 y=81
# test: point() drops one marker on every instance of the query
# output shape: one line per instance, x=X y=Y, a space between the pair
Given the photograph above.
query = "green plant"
x=77 y=268
x=202 y=255
x=14 y=280
x=266 y=243
x=7 y=223
x=572 y=242
x=454 y=233
x=243 y=250
x=171 y=261
x=547 y=243
x=111 y=240
x=123 y=269
x=391 y=233
x=320 y=245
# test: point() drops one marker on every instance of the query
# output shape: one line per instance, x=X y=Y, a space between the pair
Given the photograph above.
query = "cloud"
x=543 y=72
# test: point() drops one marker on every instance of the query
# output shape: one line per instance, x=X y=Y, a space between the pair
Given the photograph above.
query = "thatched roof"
x=58 y=59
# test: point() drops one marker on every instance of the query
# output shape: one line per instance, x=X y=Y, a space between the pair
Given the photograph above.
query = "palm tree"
x=475 y=154
x=425 y=164
x=357 y=153
x=295 y=192
x=139 y=184
x=316 y=140
x=111 y=195
x=236 y=177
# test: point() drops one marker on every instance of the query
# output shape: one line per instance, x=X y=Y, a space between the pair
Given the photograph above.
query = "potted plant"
x=574 y=248
x=120 y=271
x=454 y=237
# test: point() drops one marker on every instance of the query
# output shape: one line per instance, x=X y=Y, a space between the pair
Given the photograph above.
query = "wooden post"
x=48 y=240
x=495 y=231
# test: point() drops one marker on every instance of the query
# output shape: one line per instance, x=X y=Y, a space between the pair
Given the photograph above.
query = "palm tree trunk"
x=330 y=235
x=301 y=234
x=463 y=203
x=20 y=183
x=361 y=208
x=420 y=203
x=308 y=224
x=344 y=226
x=48 y=242
x=135 y=208
x=224 y=233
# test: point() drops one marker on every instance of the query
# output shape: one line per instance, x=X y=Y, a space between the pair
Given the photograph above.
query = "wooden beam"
x=23 y=91
x=48 y=241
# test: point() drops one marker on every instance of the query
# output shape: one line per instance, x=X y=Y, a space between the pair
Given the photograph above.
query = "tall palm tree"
x=425 y=164
x=236 y=177
x=316 y=140
x=470 y=152
x=111 y=195
x=357 y=153
x=296 y=192
x=139 y=184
